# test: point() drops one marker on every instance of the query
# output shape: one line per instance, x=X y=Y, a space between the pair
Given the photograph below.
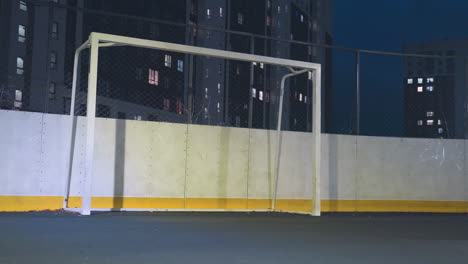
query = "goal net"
x=178 y=127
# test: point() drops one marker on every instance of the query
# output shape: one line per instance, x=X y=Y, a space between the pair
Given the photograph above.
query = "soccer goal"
x=185 y=128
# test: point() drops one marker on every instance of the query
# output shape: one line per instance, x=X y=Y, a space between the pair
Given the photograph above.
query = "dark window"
x=52 y=87
x=54 y=30
x=53 y=60
x=66 y=105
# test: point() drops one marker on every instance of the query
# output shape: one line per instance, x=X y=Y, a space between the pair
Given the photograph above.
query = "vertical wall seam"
x=248 y=167
x=41 y=154
x=186 y=164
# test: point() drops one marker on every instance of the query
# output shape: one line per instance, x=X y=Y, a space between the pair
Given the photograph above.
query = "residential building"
x=435 y=89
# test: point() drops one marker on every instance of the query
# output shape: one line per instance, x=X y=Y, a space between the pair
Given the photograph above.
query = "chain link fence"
x=364 y=93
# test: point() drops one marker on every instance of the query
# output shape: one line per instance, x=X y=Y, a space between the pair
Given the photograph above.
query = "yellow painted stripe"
x=33 y=203
x=294 y=205
x=137 y=202
x=216 y=203
x=259 y=204
x=394 y=206
x=30 y=203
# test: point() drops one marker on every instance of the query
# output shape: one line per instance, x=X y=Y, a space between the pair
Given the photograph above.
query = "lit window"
x=220 y=12
x=420 y=122
x=310 y=75
x=410 y=81
x=21 y=33
x=439 y=122
x=420 y=80
x=18 y=96
x=305 y=99
x=240 y=18
x=180 y=107
x=430 y=80
x=430 y=114
x=300 y=97
x=430 y=122
x=207 y=73
x=23 y=6
x=218 y=106
x=18 y=99
x=206 y=113
x=52 y=86
x=54 y=30
x=137 y=117
x=206 y=93
x=254 y=63
x=279 y=9
x=180 y=65
x=441 y=130
x=19 y=66
x=430 y=88
x=260 y=95
x=302 y=18
x=53 y=60
x=261 y=65
x=254 y=93
x=208 y=13
x=219 y=88
x=167 y=103
x=153 y=77
x=167 y=61
x=420 y=89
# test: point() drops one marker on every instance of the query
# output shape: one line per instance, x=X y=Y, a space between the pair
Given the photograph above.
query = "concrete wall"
x=142 y=164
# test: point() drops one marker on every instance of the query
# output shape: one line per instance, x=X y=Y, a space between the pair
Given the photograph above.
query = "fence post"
x=358 y=93
x=252 y=47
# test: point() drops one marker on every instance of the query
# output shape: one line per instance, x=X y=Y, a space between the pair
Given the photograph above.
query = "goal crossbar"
x=100 y=40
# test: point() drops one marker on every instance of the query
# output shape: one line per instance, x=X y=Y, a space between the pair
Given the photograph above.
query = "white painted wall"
x=150 y=159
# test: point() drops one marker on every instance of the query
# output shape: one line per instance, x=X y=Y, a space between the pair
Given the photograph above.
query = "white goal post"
x=100 y=40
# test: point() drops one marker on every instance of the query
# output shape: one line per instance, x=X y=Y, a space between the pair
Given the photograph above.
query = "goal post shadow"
x=100 y=40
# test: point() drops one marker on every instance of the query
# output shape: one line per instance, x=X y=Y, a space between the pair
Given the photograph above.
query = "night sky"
x=384 y=26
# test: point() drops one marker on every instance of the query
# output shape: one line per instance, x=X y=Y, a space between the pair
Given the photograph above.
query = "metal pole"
x=358 y=93
x=278 y=130
x=252 y=46
x=190 y=107
x=317 y=130
x=72 y=123
x=91 y=123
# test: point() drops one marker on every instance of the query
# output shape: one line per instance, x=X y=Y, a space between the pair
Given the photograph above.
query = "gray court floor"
x=232 y=238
